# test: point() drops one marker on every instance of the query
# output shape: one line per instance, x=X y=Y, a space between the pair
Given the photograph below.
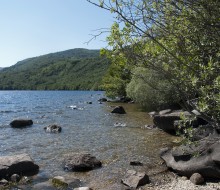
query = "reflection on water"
x=90 y=129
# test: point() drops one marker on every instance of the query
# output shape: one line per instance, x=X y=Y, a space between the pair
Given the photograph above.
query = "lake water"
x=88 y=129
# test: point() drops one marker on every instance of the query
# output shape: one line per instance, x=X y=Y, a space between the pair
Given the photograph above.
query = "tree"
x=179 y=39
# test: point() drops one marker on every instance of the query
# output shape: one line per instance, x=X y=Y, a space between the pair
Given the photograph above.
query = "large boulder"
x=166 y=121
x=201 y=157
x=135 y=179
x=81 y=162
x=19 y=164
x=21 y=123
x=118 y=110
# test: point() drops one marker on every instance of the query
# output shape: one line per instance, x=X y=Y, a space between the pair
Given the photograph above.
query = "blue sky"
x=30 y=28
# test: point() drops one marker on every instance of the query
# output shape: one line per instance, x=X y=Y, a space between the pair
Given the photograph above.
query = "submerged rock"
x=81 y=162
x=200 y=157
x=102 y=100
x=19 y=164
x=58 y=182
x=44 y=185
x=53 y=129
x=120 y=124
x=118 y=110
x=21 y=123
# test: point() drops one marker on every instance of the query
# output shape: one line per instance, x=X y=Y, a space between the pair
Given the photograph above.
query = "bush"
x=150 y=90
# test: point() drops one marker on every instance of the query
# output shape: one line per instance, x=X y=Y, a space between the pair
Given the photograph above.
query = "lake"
x=87 y=129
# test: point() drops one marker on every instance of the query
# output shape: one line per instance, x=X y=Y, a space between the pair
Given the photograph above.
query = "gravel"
x=181 y=183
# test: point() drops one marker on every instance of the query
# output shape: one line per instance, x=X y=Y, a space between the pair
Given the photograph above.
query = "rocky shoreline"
x=201 y=158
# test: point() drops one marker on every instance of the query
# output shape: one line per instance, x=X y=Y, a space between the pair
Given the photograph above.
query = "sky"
x=30 y=28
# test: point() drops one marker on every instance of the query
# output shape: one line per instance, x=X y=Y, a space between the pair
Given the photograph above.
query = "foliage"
x=117 y=76
x=77 y=69
x=178 y=39
x=150 y=90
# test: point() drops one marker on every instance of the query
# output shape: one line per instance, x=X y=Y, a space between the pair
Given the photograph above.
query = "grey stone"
x=44 y=185
x=4 y=182
x=162 y=112
x=80 y=162
x=18 y=164
x=153 y=113
x=197 y=179
x=82 y=188
x=200 y=157
x=166 y=121
x=135 y=179
x=15 y=178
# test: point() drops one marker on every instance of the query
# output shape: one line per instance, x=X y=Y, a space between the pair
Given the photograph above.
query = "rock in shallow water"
x=53 y=129
x=58 y=182
x=18 y=164
x=80 y=162
x=44 y=185
x=118 y=110
x=21 y=123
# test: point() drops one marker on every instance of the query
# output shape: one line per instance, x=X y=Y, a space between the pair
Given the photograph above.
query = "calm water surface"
x=90 y=129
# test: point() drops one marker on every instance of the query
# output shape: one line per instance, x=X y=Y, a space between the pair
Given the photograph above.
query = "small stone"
x=102 y=100
x=165 y=111
x=184 y=178
x=44 y=185
x=25 y=180
x=15 y=178
x=82 y=188
x=136 y=163
x=59 y=181
x=153 y=113
x=197 y=179
x=53 y=129
x=4 y=182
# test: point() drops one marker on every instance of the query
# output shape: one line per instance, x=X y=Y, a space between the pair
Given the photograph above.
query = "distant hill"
x=75 y=69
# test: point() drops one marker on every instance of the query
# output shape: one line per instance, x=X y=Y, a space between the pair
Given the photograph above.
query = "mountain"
x=75 y=69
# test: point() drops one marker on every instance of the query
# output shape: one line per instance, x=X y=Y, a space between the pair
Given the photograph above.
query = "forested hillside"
x=76 y=69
